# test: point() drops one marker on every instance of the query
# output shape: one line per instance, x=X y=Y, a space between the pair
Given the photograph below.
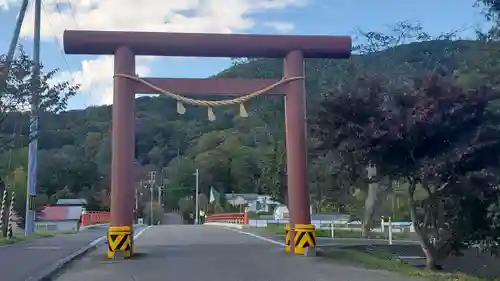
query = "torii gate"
x=126 y=45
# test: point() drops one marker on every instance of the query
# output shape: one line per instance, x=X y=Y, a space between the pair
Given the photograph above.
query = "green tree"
x=17 y=183
x=17 y=96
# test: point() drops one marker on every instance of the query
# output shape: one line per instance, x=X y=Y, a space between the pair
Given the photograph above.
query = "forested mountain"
x=233 y=154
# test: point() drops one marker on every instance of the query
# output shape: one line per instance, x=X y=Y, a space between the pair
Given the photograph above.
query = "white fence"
x=338 y=225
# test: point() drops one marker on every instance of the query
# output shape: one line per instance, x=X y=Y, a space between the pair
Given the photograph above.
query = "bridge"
x=93 y=218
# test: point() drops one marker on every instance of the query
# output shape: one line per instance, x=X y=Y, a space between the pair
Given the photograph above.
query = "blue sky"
x=337 y=17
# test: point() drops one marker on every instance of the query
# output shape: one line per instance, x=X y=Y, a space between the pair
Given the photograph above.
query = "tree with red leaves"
x=433 y=135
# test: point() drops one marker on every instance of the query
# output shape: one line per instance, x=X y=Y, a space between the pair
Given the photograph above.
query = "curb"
x=51 y=272
x=48 y=274
x=222 y=224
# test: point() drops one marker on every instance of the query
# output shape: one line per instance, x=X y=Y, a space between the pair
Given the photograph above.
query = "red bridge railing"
x=234 y=218
x=90 y=218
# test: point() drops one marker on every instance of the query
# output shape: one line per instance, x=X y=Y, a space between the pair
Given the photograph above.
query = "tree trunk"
x=423 y=237
x=376 y=193
x=430 y=258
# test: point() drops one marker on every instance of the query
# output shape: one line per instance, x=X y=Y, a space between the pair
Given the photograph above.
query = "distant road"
x=172 y=218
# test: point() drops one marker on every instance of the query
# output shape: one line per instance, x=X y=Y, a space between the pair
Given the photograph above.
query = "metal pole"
x=165 y=188
x=13 y=43
x=151 y=205
x=390 y=231
x=10 y=222
x=137 y=203
x=152 y=181
x=33 y=135
x=159 y=194
x=332 y=230
x=197 y=207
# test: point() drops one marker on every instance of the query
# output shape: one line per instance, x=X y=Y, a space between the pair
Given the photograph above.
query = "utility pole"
x=159 y=195
x=152 y=179
x=4 y=74
x=29 y=227
x=4 y=71
x=137 y=194
x=196 y=204
x=161 y=186
x=165 y=184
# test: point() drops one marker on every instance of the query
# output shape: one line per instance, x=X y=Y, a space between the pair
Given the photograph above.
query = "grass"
x=278 y=229
x=22 y=238
x=375 y=258
x=379 y=259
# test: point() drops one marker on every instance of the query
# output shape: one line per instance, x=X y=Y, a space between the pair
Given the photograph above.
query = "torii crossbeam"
x=126 y=45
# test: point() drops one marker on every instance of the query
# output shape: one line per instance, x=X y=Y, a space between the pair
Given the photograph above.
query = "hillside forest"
x=422 y=110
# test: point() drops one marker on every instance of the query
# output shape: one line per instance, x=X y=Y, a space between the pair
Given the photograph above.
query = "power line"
x=58 y=43
x=72 y=11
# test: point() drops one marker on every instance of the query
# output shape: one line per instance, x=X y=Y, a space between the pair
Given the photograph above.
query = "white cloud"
x=207 y=16
x=280 y=26
x=4 y=4
x=95 y=77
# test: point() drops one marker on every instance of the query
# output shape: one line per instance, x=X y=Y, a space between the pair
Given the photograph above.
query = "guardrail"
x=90 y=218
x=397 y=227
x=232 y=218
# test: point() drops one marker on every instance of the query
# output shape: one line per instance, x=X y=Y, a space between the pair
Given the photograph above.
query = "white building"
x=252 y=202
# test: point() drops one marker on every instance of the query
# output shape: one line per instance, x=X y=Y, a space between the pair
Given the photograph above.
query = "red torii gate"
x=126 y=45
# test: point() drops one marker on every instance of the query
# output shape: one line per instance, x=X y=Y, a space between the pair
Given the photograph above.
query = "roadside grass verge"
x=379 y=259
x=21 y=238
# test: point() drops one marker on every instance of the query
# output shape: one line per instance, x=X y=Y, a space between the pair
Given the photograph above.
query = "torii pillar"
x=294 y=49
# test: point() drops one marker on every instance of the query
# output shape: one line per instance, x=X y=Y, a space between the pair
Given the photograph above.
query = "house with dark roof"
x=59 y=218
x=72 y=202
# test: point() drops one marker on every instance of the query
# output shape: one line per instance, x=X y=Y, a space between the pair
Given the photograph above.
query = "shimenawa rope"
x=210 y=104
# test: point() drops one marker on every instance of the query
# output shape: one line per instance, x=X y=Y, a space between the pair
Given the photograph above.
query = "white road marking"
x=258 y=236
x=141 y=232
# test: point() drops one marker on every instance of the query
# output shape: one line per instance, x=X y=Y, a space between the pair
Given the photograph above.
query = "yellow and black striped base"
x=305 y=237
x=120 y=241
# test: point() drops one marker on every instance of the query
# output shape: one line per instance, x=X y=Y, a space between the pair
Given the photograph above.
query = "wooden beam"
x=205 y=44
x=222 y=86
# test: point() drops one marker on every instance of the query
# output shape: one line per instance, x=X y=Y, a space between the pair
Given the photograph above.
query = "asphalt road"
x=210 y=253
x=21 y=261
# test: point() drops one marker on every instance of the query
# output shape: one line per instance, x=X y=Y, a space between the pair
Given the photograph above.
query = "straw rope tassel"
x=243 y=111
x=2 y=211
x=211 y=114
x=10 y=232
x=180 y=108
